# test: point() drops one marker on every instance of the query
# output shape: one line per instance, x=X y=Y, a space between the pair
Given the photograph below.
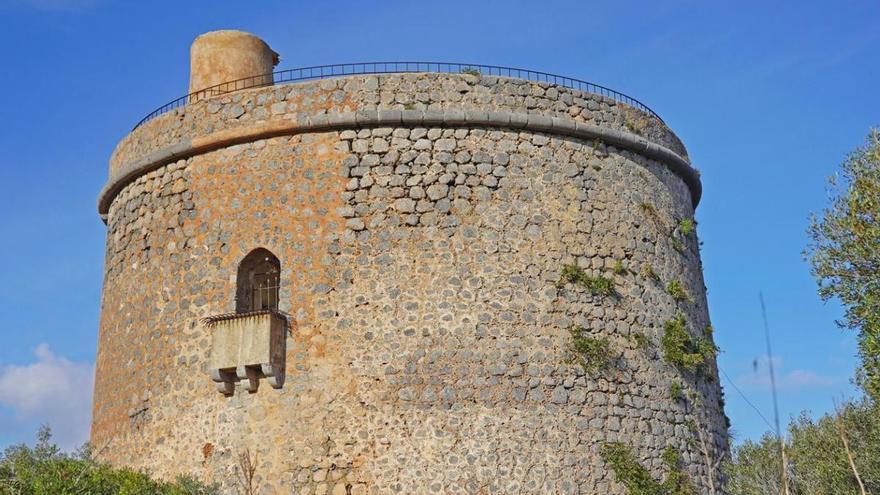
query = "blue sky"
x=767 y=96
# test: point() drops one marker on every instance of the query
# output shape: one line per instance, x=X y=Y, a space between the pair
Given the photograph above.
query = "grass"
x=592 y=353
x=619 y=269
x=473 y=71
x=597 y=285
x=649 y=273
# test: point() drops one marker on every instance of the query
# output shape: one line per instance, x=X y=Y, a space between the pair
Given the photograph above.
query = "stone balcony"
x=247 y=347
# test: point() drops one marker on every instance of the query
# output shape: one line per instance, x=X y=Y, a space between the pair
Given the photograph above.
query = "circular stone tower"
x=447 y=281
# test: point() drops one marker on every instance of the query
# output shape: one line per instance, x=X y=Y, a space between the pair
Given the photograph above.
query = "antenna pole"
x=783 y=463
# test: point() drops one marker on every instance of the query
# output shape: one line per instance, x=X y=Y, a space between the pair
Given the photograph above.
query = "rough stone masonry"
x=422 y=223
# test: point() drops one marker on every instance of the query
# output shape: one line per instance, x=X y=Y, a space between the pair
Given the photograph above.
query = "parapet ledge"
x=452 y=117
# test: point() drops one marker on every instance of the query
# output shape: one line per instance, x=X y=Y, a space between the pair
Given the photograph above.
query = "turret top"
x=227 y=55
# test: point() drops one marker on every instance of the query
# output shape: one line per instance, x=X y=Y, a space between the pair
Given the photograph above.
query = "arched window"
x=258 y=282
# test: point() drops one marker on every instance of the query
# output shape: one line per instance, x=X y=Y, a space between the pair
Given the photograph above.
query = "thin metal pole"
x=783 y=474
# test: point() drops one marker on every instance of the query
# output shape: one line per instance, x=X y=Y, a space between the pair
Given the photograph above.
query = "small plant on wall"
x=636 y=124
x=677 y=244
x=684 y=351
x=687 y=226
x=597 y=285
x=592 y=353
x=638 y=480
x=649 y=273
x=676 y=290
x=675 y=391
x=641 y=341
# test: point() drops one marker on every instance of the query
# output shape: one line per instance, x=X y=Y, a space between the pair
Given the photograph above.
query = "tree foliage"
x=44 y=469
x=754 y=469
x=844 y=252
x=835 y=452
x=817 y=461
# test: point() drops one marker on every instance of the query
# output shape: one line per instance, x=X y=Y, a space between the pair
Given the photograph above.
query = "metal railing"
x=337 y=70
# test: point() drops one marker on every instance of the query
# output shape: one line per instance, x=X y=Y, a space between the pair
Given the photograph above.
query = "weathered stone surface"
x=428 y=349
x=380 y=92
x=228 y=55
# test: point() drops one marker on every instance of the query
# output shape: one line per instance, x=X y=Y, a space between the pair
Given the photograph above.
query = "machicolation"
x=442 y=281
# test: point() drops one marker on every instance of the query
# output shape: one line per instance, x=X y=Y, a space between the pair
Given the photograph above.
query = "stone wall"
x=422 y=91
x=429 y=341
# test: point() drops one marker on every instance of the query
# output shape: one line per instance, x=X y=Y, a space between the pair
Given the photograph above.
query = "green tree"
x=754 y=467
x=844 y=252
x=817 y=459
x=44 y=469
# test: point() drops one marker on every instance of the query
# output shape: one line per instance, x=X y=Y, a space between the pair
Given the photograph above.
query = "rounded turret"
x=228 y=55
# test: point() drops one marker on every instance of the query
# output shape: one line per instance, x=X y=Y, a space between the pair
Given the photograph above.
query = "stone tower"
x=457 y=280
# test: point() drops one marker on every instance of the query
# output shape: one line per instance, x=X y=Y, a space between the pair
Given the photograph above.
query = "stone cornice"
x=398 y=118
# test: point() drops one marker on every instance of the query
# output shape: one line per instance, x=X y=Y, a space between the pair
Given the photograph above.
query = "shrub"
x=685 y=352
x=687 y=226
x=817 y=458
x=676 y=482
x=637 y=479
x=43 y=469
x=592 y=353
x=844 y=253
x=676 y=290
x=473 y=71
x=598 y=285
x=629 y=472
